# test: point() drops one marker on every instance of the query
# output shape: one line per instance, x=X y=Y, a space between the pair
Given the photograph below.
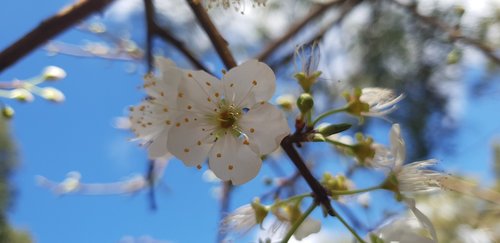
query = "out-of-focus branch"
x=49 y=29
x=455 y=34
x=297 y=27
x=227 y=188
x=221 y=45
x=154 y=29
x=345 y=10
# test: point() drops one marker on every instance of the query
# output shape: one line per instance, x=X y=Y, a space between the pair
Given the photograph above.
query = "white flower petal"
x=424 y=221
x=190 y=139
x=308 y=227
x=265 y=126
x=164 y=88
x=230 y=159
x=249 y=83
x=398 y=146
x=158 y=146
x=199 y=92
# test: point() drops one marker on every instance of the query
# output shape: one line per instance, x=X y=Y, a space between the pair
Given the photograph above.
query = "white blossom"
x=381 y=101
x=241 y=220
x=412 y=177
x=53 y=73
x=196 y=115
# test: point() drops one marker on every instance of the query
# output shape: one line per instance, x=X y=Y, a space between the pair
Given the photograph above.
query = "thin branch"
x=221 y=45
x=453 y=33
x=319 y=191
x=150 y=27
x=346 y=9
x=297 y=27
x=50 y=28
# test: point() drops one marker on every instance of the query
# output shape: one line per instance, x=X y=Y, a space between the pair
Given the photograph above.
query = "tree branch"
x=297 y=27
x=453 y=33
x=221 y=45
x=49 y=29
x=318 y=190
x=154 y=29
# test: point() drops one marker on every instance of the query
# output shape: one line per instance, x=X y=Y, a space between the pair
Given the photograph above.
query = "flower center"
x=228 y=116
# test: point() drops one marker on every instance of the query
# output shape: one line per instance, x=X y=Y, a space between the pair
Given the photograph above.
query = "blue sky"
x=78 y=134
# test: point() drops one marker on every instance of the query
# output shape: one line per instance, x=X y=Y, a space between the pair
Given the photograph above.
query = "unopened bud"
x=305 y=102
x=333 y=129
x=22 y=95
x=8 y=112
x=53 y=73
x=52 y=94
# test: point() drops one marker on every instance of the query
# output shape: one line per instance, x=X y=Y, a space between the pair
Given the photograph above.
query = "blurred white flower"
x=241 y=220
x=381 y=101
x=53 y=73
x=22 y=95
x=195 y=115
x=52 y=94
x=471 y=235
x=411 y=177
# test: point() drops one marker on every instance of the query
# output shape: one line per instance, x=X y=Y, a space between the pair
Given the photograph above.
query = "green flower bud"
x=333 y=129
x=305 y=102
x=8 y=112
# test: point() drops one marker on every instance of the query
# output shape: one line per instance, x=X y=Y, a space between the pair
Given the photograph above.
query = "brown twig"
x=150 y=24
x=49 y=29
x=453 y=33
x=297 y=27
x=319 y=191
x=216 y=38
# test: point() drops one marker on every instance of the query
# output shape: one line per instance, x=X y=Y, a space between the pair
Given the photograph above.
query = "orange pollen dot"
x=186 y=150
x=180 y=94
x=262 y=102
x=230 y=167
x=150 y=123
x=254 y=82
x=144 y=125
x=189 y=107
x=153 y=83
x=142 y=108
x=208 y=83
x=216 y=95
x=178 y=124
x=186 y=119
x=198 y=167
x=252 y=130
x=209 y=100
x=199 y=143
x=246 y=142
x=165 y=109
x=190 y=75
x=231 y=85
x=219 y=155
x=223 y=71
x=168 y=122
x=162 y=94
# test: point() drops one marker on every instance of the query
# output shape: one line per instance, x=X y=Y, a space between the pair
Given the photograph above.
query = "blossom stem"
x=355 y=191
x=299 y=221
x=326 y=114
x=337 y=143
x=353 y=232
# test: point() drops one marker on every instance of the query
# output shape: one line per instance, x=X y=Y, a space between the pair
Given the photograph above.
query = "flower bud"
x=22 y=95
x=305 y=102
x=53 y=73
x=52 y=94
x=333 y=129
x=8 y=112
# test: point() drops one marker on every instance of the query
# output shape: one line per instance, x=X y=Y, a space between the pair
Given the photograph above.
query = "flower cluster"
x=194 y=115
